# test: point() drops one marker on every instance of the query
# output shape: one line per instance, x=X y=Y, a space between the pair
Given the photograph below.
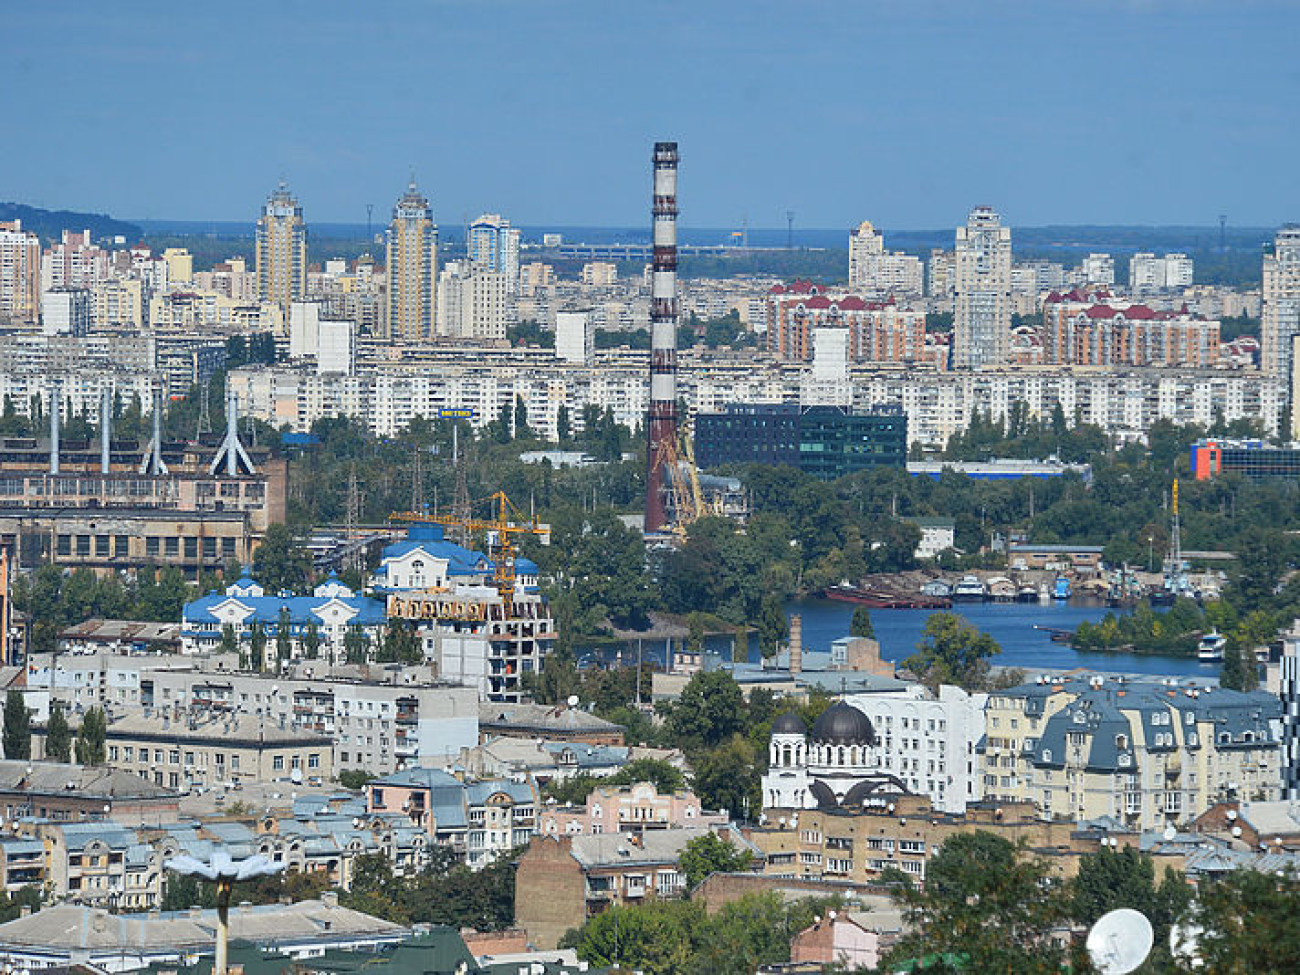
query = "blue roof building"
x=332 y=608
x=427 y=559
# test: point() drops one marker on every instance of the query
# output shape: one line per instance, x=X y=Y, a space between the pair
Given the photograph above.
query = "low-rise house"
x=120 y=636
x=102 y=864
x=563 y=880
x=182 y=750
x=850 y=940
x=65 y=934
x=522 y=759
x=550 y=722
x=477 y=820
x=64 y=792
x=627 y=809
x=22 y=863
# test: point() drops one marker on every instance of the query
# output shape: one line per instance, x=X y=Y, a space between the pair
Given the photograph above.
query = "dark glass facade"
x=825 y=441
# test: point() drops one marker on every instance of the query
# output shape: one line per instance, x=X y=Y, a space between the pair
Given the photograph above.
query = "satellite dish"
x=1120 y=941
x=1170 y=834
x=1185 y=943
x=573 y=700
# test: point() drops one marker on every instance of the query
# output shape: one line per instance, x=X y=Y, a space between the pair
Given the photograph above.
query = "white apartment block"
x=473 y=303
x=930 y=742
x=875 y=271
x=1146 y=272
x=65 y=311
x=575 y=337
x=1123 y=401
x=378 y=725
x=1097 y=269
x=1280 y=302
x=982 y=292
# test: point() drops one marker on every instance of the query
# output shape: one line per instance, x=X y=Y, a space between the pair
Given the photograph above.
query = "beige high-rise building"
x=874 y=270
x=982 y=301
x=1280 y=305
x=472 y=303
x=20 y=274
x=281 y=251
x=412 y=268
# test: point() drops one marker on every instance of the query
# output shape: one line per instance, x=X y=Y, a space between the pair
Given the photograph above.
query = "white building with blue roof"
x=472 y=633
x=332 y=608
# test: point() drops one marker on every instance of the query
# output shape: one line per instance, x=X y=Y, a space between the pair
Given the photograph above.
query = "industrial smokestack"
x=105 y=428
x=56 y=404
x=231 y=453
x=662 y=428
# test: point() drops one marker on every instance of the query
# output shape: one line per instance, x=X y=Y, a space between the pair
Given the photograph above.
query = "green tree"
x=356 y=645
x=354 y=779
x=229 y=642
x=952 y=651
x=860 y=625
x=1248 y=922
x=1110 y=879
x=562 y=423
x=280 y=563
x=283 y=640
x=257 y=647
x=90 y=737
x=727 y=777
x=986 y=903
x=311 y=641
x=1232 y=674
x=58 y=736
x=17 y=726
x=707 y=712
x=773 y=628
x=708 y=854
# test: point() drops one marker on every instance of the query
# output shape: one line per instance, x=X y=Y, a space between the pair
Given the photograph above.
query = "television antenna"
x=1120 y=941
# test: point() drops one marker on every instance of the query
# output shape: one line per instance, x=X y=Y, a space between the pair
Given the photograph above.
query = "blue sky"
x=906 y=113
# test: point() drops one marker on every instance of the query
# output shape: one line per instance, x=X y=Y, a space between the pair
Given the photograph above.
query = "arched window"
x=786 y=756
x=841 y=755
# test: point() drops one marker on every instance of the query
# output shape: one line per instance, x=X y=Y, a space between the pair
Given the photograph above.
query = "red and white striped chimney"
x=662 y=428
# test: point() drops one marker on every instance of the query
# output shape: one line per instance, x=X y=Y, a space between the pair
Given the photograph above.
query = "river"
x=899 y=630
x=1010 y=624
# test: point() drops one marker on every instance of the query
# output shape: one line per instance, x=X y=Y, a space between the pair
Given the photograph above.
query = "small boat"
x=969 y=590
x=1161 y=597
x=1026 y=594
x=1062 y=588
x=937 y=588
x=1044 y=594
x=1001 y=589
x=1210 y=649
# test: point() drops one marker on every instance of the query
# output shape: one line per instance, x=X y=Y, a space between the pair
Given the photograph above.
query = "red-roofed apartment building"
x=1097 y=330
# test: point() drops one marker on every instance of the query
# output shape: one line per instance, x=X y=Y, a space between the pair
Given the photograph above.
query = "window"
x=277 y=763
x=151 y=547
x=313 y=760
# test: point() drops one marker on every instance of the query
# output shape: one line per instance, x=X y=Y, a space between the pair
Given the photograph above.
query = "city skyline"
x=955 y=108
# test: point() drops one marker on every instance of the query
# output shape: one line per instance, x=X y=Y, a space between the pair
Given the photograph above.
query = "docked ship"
x=969 y=590
x=1210 y=649
x=1061 y=589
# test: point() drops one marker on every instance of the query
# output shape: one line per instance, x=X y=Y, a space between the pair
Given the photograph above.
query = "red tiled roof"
x=1101 y=311
x=852 y=303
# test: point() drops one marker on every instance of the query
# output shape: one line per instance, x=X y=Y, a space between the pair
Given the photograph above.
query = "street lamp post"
x=224 y=872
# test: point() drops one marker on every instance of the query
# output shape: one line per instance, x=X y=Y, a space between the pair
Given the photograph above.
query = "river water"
x=899 y=630
x=1010 y=624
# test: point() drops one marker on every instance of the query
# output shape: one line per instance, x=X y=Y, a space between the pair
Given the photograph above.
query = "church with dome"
x=836 y=765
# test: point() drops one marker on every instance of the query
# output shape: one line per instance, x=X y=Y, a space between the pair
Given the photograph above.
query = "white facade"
x=1097 y=269
x=575 y=337
x=337 y=349
x=473 y=303
x=1280 y=302
x=930 y=743
x=829 y=385
x=304 y=328
x=936 y=536
x=982 y=292
x=66 y=311
x=1146 y=272
x=875 y=271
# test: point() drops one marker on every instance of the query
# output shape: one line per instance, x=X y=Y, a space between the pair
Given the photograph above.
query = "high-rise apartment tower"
x=982 y=298
x=281 y=251
x=412 y=268
x=494 y=245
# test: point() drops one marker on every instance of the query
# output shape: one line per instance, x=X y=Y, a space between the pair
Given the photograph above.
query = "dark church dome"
x=843 y=724
x=789 y=724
